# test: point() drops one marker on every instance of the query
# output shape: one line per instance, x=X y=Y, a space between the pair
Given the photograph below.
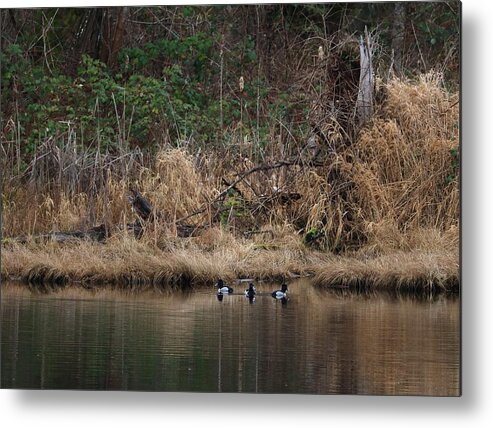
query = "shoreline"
x=136 y=266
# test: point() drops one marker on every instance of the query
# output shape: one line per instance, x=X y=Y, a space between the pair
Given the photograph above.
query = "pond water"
x=317 y=343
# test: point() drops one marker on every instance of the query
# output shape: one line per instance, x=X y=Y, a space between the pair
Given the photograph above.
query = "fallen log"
x=97 y=233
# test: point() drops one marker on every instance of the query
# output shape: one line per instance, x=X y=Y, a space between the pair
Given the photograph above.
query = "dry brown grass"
x=399 y=175
x=129 y=264
x=389 y=203
x=125 y=262
x=175 y=184
x=414 y=271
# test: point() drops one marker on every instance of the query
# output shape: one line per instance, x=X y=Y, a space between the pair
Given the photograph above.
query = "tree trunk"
x=89 y=32
x=112 y=34
x=399 y=19
x=364 y=102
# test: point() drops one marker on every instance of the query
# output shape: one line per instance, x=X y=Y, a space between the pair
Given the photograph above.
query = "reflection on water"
x=313 y=343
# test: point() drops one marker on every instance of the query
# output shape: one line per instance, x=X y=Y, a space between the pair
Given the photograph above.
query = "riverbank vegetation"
x=246 y=143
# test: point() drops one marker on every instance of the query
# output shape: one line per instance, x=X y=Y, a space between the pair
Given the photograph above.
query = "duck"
x=282 y=293
x=223 y=289
x=250 y=291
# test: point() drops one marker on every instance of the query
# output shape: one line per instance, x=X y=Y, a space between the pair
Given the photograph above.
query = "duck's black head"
x=220 y=283
x=251 y=291
x=284 y=288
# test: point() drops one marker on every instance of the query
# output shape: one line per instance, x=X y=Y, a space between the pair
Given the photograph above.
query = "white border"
x=128 y=409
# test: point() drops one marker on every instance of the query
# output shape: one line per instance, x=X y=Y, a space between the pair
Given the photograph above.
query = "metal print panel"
x=219 y=198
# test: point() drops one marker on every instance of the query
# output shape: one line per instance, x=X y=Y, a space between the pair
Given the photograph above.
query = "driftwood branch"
x=241 y=176
x=141 y=206
x=147 y=214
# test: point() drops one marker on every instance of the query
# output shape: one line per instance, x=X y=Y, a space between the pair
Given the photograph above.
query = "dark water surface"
x=316 y=343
